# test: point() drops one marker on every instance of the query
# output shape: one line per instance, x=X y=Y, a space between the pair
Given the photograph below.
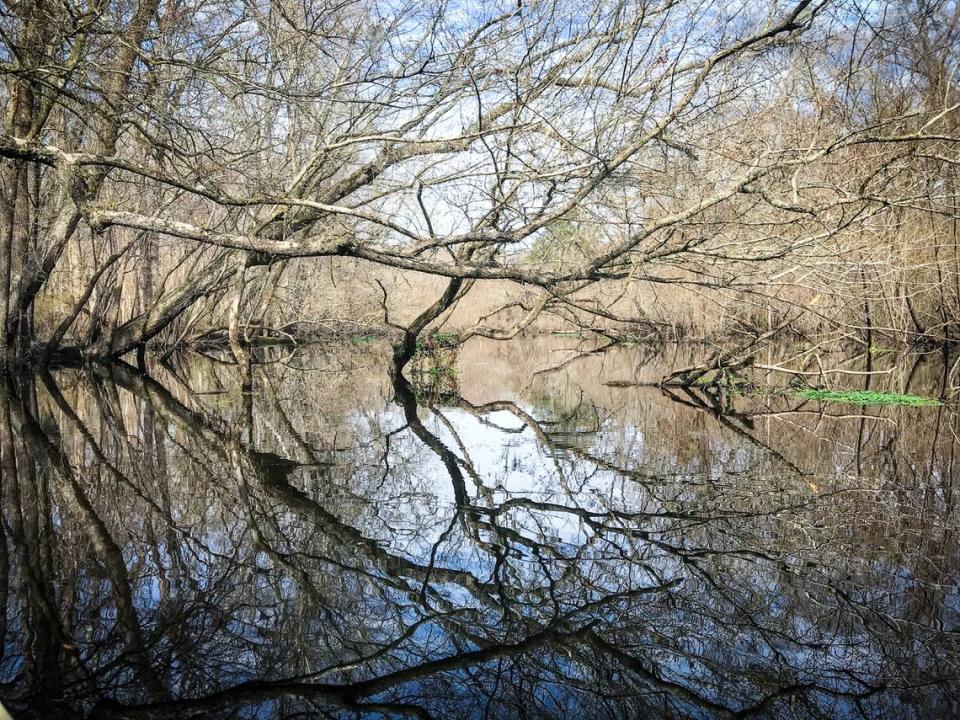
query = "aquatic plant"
x=866 y=397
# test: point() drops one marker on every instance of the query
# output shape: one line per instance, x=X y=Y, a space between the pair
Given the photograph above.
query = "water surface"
x=518 y=540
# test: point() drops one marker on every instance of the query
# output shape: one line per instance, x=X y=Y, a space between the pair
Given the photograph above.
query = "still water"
x=520 y=540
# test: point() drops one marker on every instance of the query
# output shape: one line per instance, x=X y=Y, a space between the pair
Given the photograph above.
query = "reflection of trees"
x=176 y=556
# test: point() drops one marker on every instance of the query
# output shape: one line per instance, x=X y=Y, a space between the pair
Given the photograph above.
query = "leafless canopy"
x=157 y=155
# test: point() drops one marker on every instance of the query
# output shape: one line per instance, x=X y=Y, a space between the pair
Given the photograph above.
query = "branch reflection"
x=337 y=544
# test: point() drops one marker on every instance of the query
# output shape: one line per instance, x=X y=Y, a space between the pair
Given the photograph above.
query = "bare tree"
x=742 y=150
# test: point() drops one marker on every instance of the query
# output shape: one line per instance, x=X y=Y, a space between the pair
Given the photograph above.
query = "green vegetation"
x=445 y=339
x=437 y=341
x=434 y=379
x=866 y=397
x=433 y=369
x=442 y=371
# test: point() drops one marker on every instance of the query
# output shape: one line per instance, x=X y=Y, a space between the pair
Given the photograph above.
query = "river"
x=515 y=538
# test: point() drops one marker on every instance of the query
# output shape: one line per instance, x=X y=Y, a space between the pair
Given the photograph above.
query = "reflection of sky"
x=784 y=593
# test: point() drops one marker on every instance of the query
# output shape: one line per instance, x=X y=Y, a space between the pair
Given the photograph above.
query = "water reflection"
x=536 y=544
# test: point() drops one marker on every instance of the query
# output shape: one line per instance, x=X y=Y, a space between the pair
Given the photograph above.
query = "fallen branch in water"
x=822 y=371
